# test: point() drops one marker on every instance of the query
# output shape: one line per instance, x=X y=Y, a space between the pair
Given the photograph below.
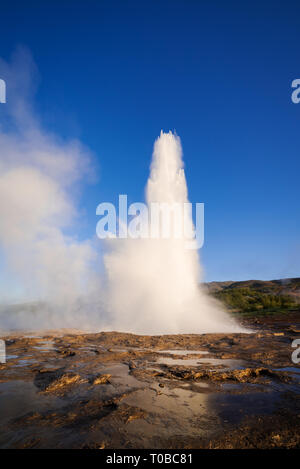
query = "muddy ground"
x=115 y=390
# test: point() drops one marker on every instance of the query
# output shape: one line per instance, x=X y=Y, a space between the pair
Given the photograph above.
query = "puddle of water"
x=152 y=368
x=120 y=376
x=94 y=349
x=45 y=346
x=291 y=369
x=201 y=385
x=178 y=361
x=87 y=349
x=50 y=366
x=231 y=386
x=182 y=352
x=177 y=401
x=294 y=373
x=168 y=407
x=26 y=362
x=17 y=398
x=130 y=349
x=119 y=350
x=228 y=364
x=194 y=384
x=22 y=362
x=233 y=407
x=20 y=397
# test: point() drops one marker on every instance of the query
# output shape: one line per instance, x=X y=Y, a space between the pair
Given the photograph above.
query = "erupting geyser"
x=153 y=284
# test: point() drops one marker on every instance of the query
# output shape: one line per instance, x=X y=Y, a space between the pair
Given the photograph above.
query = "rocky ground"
x=115 y=390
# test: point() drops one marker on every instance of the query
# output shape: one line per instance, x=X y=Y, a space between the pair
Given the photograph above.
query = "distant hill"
x=257 y=295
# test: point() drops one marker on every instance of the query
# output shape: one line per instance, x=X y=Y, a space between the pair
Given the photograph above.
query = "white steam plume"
x=38 y=175
x=154 y=283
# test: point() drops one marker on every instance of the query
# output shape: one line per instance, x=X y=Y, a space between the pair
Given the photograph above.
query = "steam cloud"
x=154 y=283
x=149 y=286
x=38 y=174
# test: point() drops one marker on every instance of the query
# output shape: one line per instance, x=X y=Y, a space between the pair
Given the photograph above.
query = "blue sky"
x=114 y=73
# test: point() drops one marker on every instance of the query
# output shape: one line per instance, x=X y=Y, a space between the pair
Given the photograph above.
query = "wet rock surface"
x=64 y=389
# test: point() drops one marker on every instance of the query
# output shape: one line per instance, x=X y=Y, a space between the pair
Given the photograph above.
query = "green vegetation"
x=246 y=300
x=258 y=297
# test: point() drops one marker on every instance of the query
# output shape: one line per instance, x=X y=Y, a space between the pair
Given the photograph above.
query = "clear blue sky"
x=114 y=73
